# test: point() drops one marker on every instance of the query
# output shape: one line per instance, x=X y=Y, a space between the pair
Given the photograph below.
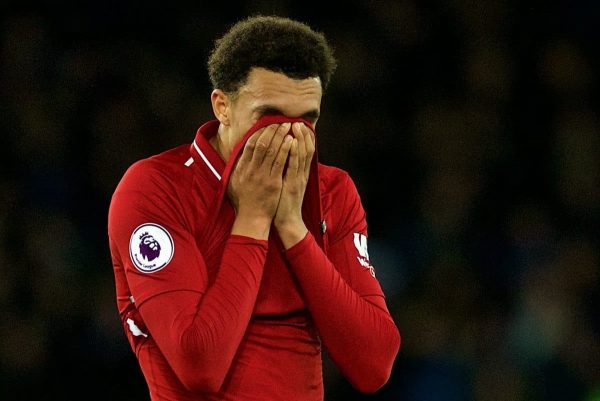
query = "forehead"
x=292 y=96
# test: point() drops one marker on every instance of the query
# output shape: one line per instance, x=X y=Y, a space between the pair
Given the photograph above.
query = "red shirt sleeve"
x=346 y=300
x=199 y=334
x=197 y=327
x=137 y=217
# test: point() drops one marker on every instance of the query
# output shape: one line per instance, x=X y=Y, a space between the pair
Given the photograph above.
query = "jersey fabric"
x=215 y=316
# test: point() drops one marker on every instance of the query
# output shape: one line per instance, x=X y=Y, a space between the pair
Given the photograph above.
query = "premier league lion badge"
x=151 y=247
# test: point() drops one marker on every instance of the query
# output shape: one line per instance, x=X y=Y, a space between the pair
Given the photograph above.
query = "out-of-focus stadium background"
x=471 y=130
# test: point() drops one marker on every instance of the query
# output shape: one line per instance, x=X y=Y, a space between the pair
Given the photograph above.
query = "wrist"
x=291 y=232
x=256 y=227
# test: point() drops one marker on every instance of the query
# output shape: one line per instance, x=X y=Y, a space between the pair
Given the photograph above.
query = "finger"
x=276 y=143
x=282 y=155
x=309 y=145
x=248 y=151
x=292 y=170
x=262 y=144
x=299 y=135
x=310 y=149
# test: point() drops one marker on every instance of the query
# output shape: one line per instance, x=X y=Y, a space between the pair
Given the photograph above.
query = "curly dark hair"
x=275 y=43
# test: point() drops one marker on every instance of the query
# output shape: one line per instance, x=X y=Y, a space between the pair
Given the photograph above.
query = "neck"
x=220 y=143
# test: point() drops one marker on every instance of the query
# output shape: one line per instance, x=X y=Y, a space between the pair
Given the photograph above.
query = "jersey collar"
x=204 y=154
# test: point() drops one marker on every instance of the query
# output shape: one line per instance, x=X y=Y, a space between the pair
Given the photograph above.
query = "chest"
x=279 y=293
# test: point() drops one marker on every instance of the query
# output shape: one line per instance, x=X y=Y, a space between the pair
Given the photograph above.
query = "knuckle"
x=272 y=186
x=271 y=129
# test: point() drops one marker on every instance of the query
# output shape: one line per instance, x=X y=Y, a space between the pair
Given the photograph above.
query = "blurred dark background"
x=471 y=129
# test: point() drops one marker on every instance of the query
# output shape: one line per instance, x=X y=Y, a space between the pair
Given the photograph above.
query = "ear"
x=221 y=105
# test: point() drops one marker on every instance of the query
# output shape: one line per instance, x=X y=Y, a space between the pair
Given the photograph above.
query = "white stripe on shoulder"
x=189 y=162
x=207 y=162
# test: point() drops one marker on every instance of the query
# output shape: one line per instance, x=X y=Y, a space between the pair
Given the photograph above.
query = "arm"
x=199 y=333
x=349 y=310
x=197 y=327
x=356 y=329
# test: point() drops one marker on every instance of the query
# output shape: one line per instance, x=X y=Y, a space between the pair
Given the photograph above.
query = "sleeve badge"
x=151 y=247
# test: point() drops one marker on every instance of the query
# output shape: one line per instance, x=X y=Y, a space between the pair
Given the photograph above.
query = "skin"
x=259 y=192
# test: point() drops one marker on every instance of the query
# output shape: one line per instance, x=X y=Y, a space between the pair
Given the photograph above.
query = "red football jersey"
x=215 y=316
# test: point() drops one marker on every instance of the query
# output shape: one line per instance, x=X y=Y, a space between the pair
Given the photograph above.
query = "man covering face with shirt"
x=239 y=256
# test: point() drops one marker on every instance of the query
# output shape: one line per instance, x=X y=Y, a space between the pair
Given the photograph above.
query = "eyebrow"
x=265 y=110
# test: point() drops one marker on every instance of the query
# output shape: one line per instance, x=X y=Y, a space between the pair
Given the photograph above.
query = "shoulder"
x=341 y=203
x=335 y=181
x=161 y=173
x=339 y=194
x=155 y=187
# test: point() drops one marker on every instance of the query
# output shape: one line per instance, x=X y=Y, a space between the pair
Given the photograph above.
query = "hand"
x=256 y=181
x=288 y=218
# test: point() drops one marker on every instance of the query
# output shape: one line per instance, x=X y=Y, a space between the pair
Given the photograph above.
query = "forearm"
x=201 y=338
x=360 y=337
x=253 y=225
